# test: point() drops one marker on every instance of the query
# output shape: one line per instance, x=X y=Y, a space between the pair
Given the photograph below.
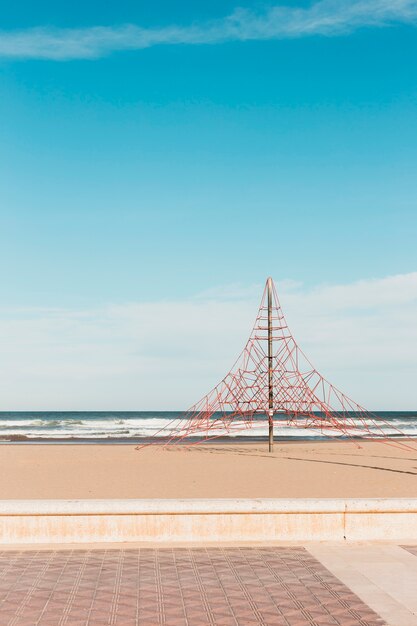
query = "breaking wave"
x=139 y=425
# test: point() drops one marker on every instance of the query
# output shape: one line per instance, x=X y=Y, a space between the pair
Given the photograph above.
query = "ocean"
x=143 y=426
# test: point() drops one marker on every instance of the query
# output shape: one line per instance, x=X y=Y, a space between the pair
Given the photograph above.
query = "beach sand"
x=294 y=470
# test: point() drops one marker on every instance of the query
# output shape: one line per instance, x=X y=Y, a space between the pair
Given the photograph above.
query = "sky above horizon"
x=159 y=160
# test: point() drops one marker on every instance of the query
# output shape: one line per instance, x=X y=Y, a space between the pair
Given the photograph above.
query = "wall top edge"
x=207 y=506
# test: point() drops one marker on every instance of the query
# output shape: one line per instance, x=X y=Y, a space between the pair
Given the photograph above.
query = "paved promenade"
x=320 y=584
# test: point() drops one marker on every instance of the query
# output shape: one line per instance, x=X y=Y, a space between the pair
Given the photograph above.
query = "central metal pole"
x=270 y=370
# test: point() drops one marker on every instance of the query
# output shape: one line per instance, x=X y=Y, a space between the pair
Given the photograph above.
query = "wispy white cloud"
x=325 y=17
x=165 y=355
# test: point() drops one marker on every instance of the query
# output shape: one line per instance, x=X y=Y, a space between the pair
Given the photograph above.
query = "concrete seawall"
x=208 y=520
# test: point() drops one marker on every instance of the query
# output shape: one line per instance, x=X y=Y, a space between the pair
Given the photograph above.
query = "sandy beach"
x=308 y=470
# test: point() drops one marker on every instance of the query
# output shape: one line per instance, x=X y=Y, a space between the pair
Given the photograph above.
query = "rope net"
x=302 y=397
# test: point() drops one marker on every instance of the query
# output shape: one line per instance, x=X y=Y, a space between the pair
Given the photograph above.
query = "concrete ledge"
x=214 y=520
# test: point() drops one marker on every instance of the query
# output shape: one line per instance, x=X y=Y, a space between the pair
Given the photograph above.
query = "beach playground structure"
x=273 y=379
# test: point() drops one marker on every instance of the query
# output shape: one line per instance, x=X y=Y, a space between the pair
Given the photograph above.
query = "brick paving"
x=180 y=586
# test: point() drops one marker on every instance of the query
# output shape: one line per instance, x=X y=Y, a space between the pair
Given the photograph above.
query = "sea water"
x=137 y=426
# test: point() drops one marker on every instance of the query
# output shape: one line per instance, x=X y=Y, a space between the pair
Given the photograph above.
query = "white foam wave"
x=137 y=427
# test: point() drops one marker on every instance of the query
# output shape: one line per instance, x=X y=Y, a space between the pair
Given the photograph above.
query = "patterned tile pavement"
x=279 y=586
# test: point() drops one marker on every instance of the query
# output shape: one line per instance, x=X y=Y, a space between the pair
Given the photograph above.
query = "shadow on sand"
x=210 y=449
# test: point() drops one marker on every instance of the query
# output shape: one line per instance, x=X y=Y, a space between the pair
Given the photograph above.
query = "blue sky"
x=156 y=150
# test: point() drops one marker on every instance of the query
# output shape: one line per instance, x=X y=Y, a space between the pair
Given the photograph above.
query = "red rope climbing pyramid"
x=272 y=378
